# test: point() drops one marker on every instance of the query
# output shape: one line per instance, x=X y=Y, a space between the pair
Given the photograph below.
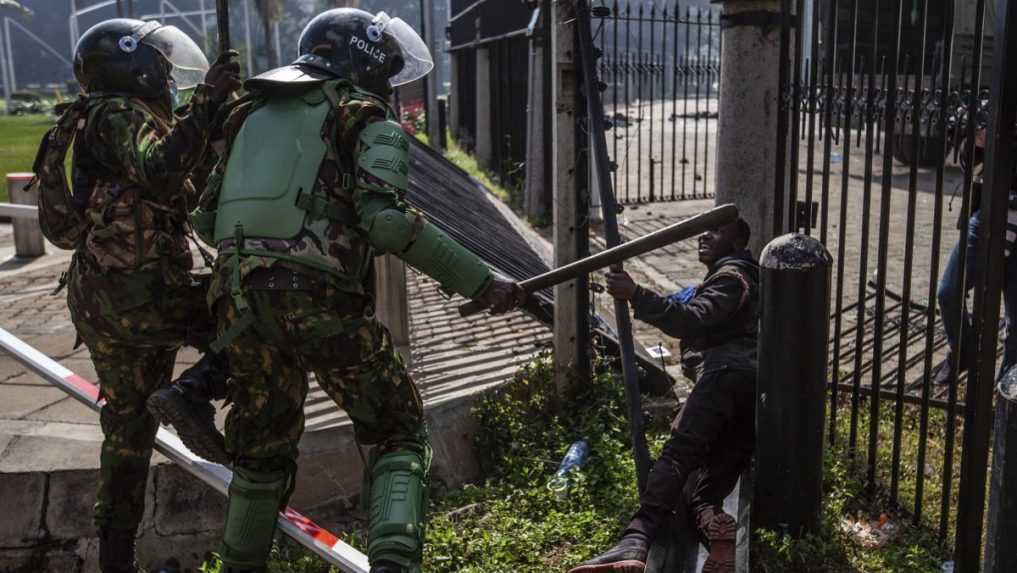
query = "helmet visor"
x=417 y=61
x=188 y=61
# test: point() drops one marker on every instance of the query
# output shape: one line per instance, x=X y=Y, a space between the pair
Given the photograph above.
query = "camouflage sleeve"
x=134 y=142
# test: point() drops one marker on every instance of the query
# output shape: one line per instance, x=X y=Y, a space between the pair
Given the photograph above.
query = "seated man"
x=713 y=435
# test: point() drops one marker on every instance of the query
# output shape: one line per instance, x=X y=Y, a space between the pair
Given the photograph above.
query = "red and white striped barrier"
x=292 y=523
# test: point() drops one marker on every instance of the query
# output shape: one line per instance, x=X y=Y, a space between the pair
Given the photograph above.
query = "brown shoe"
x=720 y=530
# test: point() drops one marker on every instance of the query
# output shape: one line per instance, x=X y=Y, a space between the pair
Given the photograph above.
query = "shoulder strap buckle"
x=319 y=207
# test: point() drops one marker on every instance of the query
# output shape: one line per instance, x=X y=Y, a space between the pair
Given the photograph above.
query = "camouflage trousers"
x=133 y=325
x=335 y=336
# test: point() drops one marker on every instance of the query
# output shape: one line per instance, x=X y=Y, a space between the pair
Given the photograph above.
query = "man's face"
x=718 y=243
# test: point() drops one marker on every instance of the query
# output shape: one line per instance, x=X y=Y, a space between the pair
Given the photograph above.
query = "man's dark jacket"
x=718 y=325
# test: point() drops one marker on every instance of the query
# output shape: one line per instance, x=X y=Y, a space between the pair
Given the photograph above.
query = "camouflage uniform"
x=311 y=320
x=132 y=298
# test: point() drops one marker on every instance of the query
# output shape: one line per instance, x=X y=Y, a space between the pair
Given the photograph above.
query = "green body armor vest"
x=273 y=163
x=267 y=193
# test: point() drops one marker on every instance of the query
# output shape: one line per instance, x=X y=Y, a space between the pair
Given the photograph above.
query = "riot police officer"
x=309 y=189
x=132 y=298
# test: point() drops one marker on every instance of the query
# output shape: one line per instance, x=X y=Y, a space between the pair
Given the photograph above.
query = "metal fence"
x=881 y=103
x=661 y=67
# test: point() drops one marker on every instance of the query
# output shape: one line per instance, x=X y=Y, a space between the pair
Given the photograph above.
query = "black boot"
x=116 y=550
x=628 y=556
x=186 y=405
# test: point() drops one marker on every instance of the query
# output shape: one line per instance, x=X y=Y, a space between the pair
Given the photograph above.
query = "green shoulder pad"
x=385 y=153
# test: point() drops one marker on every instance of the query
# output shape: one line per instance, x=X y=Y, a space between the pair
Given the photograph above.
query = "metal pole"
x=3 y=75
x=795 y=275
x=278 y=44
x=247 y=37
x=72 y=25
x=595 y=116
x=10 y=56
x=204 y=27
x=431 y=87
x=1000 y=152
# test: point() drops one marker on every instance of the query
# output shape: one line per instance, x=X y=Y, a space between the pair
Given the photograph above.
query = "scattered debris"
x=870 y=534
x=659 y=352
x=574 y=459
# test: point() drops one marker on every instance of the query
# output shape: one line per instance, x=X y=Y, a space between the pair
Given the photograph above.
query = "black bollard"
x=795 y=274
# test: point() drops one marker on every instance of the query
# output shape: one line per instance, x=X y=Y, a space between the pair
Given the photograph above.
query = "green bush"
x=513 y=522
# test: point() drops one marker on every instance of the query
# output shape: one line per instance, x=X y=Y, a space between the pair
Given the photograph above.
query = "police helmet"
x=135 y=57
x=374 y=51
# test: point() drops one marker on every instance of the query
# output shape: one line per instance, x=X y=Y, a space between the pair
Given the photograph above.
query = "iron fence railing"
x=661 y=70
x=879 y=130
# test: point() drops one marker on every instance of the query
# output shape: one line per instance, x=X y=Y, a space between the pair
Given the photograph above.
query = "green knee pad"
x=250 y=518
x=398 y=501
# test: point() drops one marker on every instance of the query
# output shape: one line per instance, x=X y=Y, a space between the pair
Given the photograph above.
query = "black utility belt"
x=278 y=277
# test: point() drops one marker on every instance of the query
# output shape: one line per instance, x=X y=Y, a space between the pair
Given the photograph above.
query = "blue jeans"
x=952 y=296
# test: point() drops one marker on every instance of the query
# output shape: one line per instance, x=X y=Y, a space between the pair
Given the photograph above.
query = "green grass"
x=462 y=159
x=916 y=547
x=19 y=140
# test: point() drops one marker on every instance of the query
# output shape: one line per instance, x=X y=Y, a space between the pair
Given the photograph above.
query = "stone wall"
x=47 y=521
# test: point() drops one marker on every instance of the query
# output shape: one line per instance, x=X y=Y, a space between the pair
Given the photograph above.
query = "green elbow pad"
x=430 y=251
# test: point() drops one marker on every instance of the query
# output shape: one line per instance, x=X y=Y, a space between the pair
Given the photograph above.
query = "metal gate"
x=661 y=65
x=881 y=104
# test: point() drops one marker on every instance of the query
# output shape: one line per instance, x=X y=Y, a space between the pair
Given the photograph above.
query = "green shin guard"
x=398 y=501
x=254 y=499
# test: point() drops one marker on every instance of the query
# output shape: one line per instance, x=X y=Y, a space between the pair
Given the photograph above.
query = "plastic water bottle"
x=574 y=458
x=947 y=567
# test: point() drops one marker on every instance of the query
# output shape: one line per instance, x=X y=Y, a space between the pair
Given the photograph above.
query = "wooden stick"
x=716 y=217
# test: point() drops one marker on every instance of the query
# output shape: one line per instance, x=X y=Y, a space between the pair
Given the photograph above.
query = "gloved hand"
x=501 y=296
x=223 y=78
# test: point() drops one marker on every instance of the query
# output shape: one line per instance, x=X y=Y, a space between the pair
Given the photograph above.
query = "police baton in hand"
x=716 y=217
x=222 y=15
